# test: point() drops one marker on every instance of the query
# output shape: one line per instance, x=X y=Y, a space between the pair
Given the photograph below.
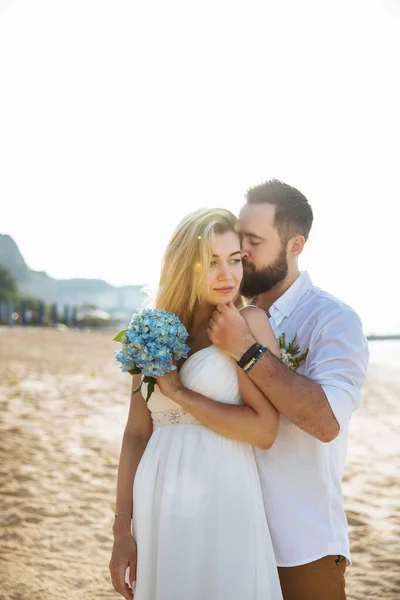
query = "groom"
x=301 y=474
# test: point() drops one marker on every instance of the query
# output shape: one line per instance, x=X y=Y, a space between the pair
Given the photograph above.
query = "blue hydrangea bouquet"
x=153 y=340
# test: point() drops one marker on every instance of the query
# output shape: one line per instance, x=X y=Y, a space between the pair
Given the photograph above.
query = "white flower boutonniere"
x=290 y=351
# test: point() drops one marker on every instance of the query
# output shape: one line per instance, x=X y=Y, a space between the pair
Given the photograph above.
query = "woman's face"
x=226 y=269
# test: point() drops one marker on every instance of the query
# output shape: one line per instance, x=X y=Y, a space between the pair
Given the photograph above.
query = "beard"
x=257 y=282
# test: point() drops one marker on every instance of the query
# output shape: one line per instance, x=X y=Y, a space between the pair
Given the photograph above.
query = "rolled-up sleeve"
x=338 y=361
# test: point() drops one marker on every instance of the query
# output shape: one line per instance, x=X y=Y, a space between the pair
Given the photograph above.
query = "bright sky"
x=117 y=118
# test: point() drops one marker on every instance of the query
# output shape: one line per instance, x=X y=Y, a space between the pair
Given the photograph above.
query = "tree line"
x=33 y=311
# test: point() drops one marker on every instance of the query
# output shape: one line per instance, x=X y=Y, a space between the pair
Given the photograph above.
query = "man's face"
x=264 y=256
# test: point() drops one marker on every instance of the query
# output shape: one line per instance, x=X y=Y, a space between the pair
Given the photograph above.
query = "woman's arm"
x=137 y=432
x=257 y=421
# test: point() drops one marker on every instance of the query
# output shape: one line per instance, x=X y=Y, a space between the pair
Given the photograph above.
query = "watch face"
x=249 y=354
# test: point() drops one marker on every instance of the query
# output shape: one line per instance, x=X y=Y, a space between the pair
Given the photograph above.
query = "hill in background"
x=115 y=300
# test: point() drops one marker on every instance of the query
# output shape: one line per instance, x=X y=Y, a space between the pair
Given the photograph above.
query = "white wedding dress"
x=198 y=515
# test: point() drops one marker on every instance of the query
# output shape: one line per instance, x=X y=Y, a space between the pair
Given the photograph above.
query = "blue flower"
x=152 y=341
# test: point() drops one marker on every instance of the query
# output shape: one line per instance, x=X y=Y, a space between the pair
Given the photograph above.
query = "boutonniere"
x=290 y=351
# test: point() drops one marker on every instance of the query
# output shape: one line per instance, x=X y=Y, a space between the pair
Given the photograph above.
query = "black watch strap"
x=249 y=354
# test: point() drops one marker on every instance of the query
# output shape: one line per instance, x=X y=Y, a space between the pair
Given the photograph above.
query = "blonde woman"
x=199 y=530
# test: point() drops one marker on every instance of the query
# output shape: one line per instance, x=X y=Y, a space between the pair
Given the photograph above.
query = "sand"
x=63 y=408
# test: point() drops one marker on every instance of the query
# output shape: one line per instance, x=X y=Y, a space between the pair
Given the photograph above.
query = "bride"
x=198 y=529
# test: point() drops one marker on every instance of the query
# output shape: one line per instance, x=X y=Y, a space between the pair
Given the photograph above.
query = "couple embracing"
x=229 y=478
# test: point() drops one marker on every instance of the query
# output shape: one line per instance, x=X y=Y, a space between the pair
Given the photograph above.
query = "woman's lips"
x=225 y=290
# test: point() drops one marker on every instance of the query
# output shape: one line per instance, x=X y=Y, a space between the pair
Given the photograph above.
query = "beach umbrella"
x=10 y=312
x=41 y=313
x=24 y=312
x=54 y=315
x=66 y=315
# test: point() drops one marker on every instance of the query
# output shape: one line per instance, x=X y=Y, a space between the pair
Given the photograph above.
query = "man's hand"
x=229 y=332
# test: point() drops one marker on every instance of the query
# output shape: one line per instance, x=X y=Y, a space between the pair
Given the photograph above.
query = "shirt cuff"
x=341 y=403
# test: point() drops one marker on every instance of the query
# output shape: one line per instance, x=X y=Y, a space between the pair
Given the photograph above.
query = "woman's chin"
x=223 y=299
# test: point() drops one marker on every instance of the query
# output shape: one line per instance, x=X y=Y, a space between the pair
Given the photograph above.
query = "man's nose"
x=245 y=251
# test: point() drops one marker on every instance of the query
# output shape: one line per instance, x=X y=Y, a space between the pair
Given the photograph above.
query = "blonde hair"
x=183 y=280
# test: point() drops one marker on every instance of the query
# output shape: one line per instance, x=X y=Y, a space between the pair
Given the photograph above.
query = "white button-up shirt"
x=301 y=476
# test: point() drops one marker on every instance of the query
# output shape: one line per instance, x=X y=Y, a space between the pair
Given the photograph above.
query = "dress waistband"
x=173 y=417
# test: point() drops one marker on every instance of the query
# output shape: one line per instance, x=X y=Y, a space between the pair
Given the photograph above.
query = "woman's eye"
x=255 y=244
x=235 y=261
x=213 y=263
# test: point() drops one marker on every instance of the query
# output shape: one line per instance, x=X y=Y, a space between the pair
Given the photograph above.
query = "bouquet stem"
x=151 y=382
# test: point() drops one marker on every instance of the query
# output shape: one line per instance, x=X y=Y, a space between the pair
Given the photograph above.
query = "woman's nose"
x=224 y=272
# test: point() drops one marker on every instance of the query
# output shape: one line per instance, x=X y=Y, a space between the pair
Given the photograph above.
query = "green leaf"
x=137 y=389
x=282 y=341
x=150 y=388
x=293 y=347
x=300 y=359
x=135 y=371
x=120 y=335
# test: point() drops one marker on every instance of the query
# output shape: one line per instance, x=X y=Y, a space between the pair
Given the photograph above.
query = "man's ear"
x=296 y=245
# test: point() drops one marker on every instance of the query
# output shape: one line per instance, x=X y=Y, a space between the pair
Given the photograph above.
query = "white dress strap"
x=247 y=305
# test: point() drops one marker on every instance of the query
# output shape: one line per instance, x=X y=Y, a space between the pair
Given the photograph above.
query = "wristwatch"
x=249 y=355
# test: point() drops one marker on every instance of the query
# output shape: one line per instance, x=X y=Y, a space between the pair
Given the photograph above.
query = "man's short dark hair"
x=293 y=214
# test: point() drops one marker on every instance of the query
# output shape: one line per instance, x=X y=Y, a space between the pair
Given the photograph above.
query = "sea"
x=384 y=352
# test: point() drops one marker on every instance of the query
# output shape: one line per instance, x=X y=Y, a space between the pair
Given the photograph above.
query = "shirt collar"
x=286 y=303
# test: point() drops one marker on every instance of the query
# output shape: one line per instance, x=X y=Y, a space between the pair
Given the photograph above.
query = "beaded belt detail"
x=172 y=417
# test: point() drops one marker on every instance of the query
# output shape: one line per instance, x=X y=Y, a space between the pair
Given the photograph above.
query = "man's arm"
x=256 y=422
x=321 y=403
x=298 y=398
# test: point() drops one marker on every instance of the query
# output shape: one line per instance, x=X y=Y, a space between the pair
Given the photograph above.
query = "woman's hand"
x=169 y=384
x=124 y=554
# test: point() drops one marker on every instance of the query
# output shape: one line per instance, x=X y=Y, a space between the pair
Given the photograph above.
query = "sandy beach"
x=63 y=409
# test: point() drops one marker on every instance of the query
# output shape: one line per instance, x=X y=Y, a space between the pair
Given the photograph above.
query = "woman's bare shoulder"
x=259 y=325
x=253 y=312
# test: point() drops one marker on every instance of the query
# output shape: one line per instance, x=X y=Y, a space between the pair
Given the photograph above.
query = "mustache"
x=247 y=263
